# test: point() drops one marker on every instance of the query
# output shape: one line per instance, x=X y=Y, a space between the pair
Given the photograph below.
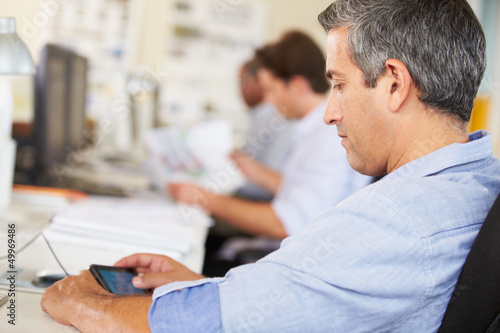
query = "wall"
x=284 y=15
x=302 y=15
x=32 y=15
x=22 y=11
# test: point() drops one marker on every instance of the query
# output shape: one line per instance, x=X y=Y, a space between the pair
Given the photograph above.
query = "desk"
x=31 y=219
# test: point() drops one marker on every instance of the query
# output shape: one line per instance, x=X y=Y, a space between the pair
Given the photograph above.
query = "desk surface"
x=30 y=219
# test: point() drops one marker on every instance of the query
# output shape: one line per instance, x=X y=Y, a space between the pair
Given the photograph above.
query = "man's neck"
x=429 y=137
x=309 y=103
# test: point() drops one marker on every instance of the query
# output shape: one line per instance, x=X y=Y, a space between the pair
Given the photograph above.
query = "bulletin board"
x=207 y=43
x=103 y=32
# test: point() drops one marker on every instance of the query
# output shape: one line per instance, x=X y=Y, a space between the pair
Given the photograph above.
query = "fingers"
x=42 y=305
x=152 y=280
x=177 y=190
x=235 y=155
x=240 y=158
x=190 y=194
x=157 y=279
x=135 y=260
x=145 y=263
x=247 y=165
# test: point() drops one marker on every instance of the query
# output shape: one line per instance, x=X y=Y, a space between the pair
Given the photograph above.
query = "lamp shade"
x=14 y=55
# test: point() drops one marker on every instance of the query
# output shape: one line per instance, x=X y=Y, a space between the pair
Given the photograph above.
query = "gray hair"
x=441 y=42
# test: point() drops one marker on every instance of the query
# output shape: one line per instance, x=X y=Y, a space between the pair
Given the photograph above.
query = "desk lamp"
x=15 y=59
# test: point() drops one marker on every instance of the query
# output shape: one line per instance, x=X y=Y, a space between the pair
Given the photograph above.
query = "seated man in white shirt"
x=315 y=177
x=268 y=142
x=269 y=138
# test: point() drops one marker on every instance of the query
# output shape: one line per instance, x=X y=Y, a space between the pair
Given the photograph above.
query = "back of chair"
x=495 y=327
x=475 y=302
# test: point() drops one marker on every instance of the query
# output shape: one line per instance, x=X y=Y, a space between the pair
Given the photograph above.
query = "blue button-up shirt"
x=384 y=260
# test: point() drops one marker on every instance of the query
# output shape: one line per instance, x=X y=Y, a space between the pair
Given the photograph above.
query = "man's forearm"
x=268 y=179
x=252 y=217
x=111 y=314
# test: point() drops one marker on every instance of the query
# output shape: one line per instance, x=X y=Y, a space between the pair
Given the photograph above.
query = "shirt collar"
x=478 y=148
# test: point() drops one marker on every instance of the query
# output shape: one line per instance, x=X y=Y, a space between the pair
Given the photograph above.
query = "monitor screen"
x=59 y=122
x=76 y=105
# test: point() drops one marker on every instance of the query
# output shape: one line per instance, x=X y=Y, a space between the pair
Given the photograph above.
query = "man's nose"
x=333 y=111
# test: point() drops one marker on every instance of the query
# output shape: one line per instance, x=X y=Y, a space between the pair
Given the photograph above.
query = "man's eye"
x=337 y=86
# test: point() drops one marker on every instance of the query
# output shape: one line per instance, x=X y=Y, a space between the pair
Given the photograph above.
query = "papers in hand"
x=132 y=225
x=198 y=154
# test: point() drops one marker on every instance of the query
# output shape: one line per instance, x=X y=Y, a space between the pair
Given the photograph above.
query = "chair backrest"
x=495 y=327
x=475 y=303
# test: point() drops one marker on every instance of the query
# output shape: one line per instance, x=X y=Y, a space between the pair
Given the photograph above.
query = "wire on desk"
x=48 y=244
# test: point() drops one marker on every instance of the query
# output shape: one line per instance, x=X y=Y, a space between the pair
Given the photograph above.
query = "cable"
x=54 y=254
x=48 y=244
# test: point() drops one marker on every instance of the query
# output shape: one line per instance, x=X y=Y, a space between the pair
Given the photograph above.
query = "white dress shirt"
x=269 y=142
x=316 y=175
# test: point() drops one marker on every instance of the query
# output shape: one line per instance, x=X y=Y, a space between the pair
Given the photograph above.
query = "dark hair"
x=251 y=67
x=295 y=54
x=441 y=43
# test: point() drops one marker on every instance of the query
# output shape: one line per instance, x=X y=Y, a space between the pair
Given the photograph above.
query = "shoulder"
x=427 y=205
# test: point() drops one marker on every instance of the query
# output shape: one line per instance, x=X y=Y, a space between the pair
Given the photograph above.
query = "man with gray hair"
x=404 y=75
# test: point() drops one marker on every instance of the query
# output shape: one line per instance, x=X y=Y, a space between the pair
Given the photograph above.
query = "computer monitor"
x=59 y=120
x=75 y=122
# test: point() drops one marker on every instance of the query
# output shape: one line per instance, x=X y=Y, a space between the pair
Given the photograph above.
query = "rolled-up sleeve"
x=186 y=307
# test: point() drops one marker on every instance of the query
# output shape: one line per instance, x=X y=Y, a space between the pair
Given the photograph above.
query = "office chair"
x=475 y=302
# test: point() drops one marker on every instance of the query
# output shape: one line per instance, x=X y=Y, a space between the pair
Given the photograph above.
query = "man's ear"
x=298 y=84
x=399 y=82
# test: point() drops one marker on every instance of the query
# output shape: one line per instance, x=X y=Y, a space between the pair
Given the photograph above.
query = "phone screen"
x=117 y=280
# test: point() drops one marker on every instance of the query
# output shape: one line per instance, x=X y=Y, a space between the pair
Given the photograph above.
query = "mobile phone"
x=116 y=280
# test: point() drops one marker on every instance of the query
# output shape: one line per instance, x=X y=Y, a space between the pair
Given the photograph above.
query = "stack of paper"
x=134 y=225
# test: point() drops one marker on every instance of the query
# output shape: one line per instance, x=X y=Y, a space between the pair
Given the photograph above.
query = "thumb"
x=151 y=280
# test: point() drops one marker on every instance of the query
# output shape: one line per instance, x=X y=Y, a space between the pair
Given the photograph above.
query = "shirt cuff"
x=191 y=306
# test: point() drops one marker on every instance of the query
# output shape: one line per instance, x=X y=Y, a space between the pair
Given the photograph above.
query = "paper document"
x=197 y=154
x=135 y=225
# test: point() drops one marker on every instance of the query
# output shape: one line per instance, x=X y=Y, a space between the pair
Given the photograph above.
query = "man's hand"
x=190 y=194
x=60 y=300
x=248 y=166
x=81 y=302
x=256 y=172
x=157 y=270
